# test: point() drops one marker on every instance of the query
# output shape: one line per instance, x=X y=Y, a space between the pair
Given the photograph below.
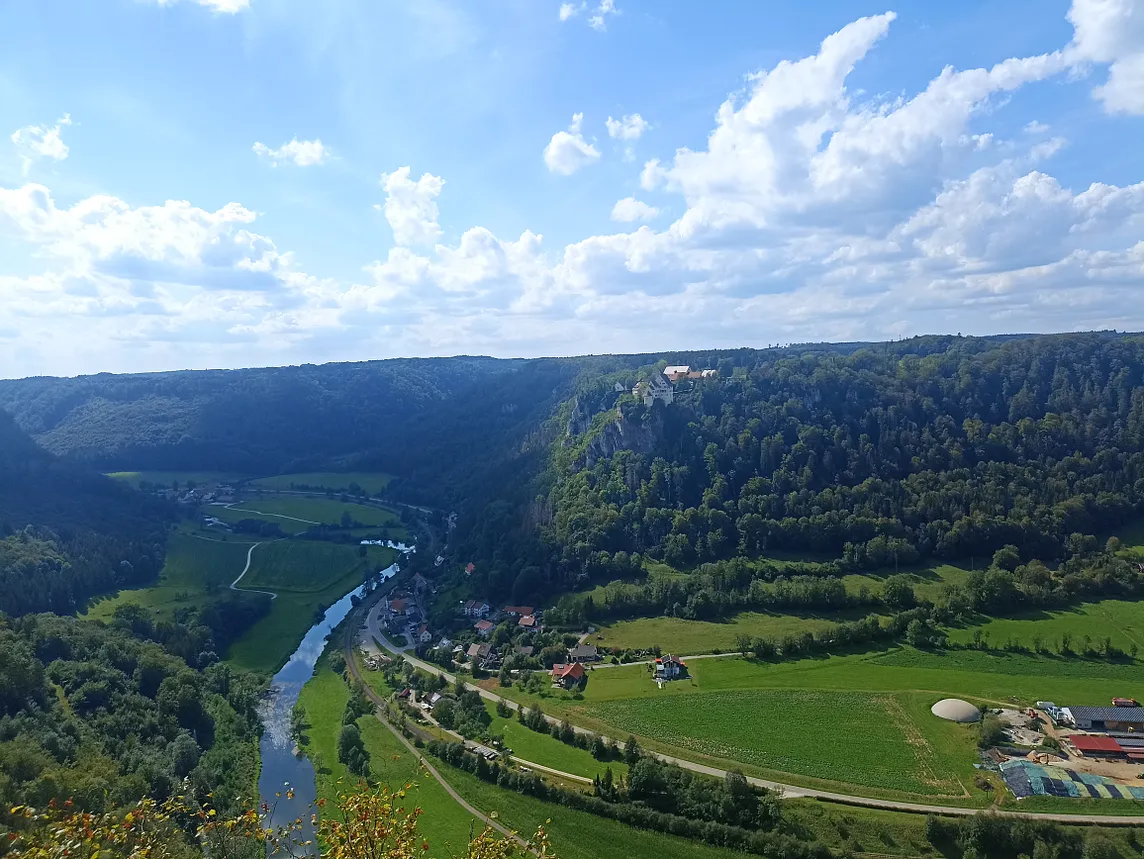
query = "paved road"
x=791 y=790
x=429 y=768
x=245 y=570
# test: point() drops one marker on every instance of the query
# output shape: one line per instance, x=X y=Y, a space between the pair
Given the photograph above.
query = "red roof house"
x=568 y=675
x=483 y=627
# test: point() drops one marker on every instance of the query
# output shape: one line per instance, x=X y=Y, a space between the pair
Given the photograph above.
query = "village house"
x=397 y=606
x=670 y=668
x=529 y=621
x=476 y=608
x=479 y=652
x=525 y=650
x=424 y=636
x=677 y=372
x=420 y=584
x=583 y=653
x=569 y=675
x=483 y=628
x=655 y=388
x=518 y=610
x=469 y=568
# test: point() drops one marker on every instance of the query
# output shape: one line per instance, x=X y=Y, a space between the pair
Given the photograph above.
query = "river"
x=282 y=770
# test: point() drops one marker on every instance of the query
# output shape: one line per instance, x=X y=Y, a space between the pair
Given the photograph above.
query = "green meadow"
x=372 y=483
x=184 y=479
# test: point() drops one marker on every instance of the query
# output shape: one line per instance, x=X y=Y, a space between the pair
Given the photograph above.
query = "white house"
x=655 y=388
x=476 y=608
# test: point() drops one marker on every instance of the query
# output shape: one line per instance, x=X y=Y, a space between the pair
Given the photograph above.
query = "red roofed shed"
x=1096 y=745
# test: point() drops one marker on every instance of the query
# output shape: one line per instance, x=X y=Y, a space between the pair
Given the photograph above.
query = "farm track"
x=245 y=570
x=788 y=790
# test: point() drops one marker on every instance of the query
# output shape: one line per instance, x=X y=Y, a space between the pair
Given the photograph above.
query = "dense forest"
x=938 y=447
x=95 y=715
x=67 y=534
x=872 y=455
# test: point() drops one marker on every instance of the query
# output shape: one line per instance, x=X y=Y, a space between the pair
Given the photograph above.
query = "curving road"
x=786 y=790
x=245 y=570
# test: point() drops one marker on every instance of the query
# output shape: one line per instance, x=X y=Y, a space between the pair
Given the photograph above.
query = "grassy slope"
x=700 y=636
x=370 y=482
x=1121 y=621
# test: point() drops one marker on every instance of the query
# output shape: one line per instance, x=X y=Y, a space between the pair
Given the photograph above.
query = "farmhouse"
x=583 y=653
x=518 y=610
x=476 y=608
x=1105 y=718
x=569 y=675
x=670 y=668
x=424 y=636
x=483 y=627
x=528 y=622
x=397 y=606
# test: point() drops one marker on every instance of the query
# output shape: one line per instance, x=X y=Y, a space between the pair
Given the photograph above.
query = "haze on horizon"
x=224 y=183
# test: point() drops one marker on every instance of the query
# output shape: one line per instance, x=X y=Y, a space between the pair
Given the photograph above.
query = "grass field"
x=372 y=483
x=1121 y=621
x=700 y=636
x=183 y=478
x=306 y=566
x=322 y=511
x=548 y=751
x=859 y=738
x=927 y=581
x=195 y=567
x=283 y=567
x=623 y=699
x=324 y=699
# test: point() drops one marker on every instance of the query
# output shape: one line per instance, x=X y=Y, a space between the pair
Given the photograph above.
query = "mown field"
x=372 y=483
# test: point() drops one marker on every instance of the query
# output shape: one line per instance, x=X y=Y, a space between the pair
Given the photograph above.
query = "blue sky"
x=219 y=183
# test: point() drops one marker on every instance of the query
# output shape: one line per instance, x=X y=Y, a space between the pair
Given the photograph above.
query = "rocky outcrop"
x=640 y=432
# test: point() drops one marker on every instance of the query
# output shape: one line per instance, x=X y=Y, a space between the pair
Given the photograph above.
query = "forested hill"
x=935 y=447
x=67 y=533
x=257 y=421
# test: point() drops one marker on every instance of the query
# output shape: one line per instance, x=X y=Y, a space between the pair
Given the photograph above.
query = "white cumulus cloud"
x=568 y=151
x=629 y=127
x=411 y=208
x=1111 y=32
x=41 y=141
x=630 y=209
x=301 y=153
x=570 y=10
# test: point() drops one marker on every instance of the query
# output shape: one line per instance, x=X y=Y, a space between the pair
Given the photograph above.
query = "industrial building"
x=1110 y=719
